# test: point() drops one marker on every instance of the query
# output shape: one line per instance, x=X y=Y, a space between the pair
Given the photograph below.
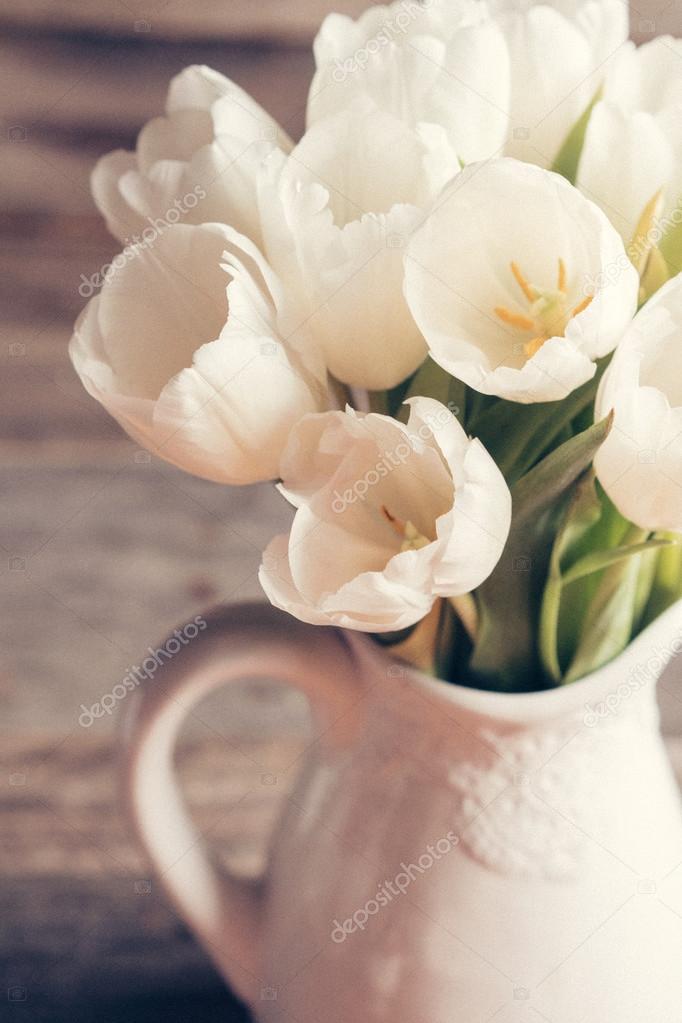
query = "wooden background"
x=103 y=550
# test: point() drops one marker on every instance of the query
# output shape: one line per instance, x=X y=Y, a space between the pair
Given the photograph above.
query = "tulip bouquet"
x=447 y=322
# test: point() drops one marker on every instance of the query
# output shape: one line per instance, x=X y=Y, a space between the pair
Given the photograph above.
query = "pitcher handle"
x=237 y=643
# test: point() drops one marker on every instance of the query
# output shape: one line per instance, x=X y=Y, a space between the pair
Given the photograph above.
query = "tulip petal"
x=210 y=389
x=640 y=463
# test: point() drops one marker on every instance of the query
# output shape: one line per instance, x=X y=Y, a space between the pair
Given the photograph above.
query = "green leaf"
x=518 y=435
x=609 y=619
x=599 y=560
x=670 y=244
x=506 y=651
x=584 y=510
x=655 y=275
x=568 y=157
x=667 y=582
x=645 y=582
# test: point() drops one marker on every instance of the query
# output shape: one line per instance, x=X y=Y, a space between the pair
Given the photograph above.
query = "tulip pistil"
x=412 y=539
x=548 y=312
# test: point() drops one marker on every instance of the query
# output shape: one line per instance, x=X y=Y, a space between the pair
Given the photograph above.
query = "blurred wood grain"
x=102 y=549
x=276 y=20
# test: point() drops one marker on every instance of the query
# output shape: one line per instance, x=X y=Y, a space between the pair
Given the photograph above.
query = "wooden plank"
x=59 y=802
x=242 y=20
x=61 y=107
x=50 y=88
x=211 y=19
x=84 y=932
x=99 y=561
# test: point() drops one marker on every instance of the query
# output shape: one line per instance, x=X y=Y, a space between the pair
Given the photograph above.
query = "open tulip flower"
x=498 y=279
x=389 y=519
x=445 y=321
x=183 y=348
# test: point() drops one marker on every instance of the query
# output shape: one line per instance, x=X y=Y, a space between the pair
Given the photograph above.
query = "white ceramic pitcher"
x=448 y=855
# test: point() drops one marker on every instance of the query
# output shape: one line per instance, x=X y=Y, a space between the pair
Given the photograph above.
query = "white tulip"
x=633 y=144
x=507 y=282
x=640 y=463
x=431 y=63
x=509 y=73
x=197 y=164
x=559 y=54
x=388 y=518
x=336 y=215
x=194 y=365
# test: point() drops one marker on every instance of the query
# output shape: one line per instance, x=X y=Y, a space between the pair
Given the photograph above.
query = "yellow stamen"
x=528 y=290
x=514 y=319
x=582 y=305
x=548 y=315
x=642 y=240
x=534 y=345
x=561 y=279
x=412 y=539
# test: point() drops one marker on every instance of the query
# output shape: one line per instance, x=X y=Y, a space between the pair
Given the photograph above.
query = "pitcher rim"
x=653 y=642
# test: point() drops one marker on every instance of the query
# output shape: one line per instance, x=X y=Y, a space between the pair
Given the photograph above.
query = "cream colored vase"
x=447 y=855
